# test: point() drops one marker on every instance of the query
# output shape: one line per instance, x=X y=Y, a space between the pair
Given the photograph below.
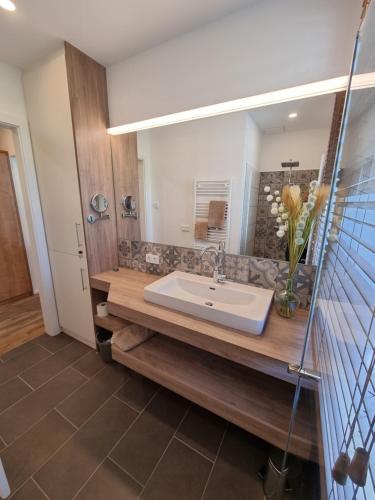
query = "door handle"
x=77 y=234
x=83 y=279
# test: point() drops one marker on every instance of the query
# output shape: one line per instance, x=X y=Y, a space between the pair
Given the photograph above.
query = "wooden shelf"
x=250 y=399
x=111 y=323
x=280 y=344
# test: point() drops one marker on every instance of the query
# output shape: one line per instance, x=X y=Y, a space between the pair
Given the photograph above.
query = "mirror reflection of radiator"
x=204 y=192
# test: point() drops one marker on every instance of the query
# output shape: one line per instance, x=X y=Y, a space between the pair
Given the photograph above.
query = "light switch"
x=185 y=228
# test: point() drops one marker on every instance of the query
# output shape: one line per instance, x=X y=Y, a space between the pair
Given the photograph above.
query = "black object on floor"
x=103 y=343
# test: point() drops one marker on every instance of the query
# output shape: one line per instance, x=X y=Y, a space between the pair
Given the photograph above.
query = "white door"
x=72 y=289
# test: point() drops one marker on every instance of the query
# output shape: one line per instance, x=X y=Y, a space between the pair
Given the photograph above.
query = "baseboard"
x=80 y=338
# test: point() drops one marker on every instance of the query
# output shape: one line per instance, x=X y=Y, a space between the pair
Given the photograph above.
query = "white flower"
x=274 y=205
x=278 y=199
x=299 y=234
x=281 y=209
x=284 y=216
x=280 y=233
x=267 y=189
x=301 y=224
x=311 y=198
x=284 y=228
x=278 y=220
x=299 y=241
x=309 y=206
x=269 y=197
x=274 y=211
x=277 y=193
x=313 y=184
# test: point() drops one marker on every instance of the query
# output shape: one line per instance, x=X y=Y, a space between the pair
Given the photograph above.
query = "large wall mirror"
x=202 y=181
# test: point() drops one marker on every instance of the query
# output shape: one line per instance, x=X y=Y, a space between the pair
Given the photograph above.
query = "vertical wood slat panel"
x=126 y=182
x=89 y=108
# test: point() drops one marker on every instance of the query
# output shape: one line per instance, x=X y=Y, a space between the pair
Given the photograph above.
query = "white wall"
x=271 y=45
x=211 y=148
x=306 y=146
x=251 y=182
x=13 y=113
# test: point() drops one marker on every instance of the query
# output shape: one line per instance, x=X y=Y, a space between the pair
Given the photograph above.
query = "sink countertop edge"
x=281 y=341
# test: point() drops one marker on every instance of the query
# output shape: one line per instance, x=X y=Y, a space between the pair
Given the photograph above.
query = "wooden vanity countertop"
x=279 y=345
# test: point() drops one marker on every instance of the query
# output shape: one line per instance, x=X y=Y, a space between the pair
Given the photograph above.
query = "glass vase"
x=286 y=300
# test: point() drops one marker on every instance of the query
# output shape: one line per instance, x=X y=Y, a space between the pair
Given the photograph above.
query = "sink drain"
x=209 y=304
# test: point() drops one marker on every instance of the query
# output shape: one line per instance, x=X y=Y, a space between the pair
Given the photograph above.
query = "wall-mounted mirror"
x=129 y=205
x=99 y=203
x=216 y=169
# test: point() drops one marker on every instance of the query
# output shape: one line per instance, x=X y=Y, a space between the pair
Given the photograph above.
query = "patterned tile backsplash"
x=265 y=273
x=266 y=243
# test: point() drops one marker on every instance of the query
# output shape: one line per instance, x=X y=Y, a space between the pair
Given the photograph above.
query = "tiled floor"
x=73 y=427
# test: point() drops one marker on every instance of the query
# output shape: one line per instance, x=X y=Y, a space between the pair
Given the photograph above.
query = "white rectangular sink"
x=242 y=307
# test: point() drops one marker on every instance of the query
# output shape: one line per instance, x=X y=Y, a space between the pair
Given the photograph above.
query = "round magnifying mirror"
x=99 y=203
x=128 y=203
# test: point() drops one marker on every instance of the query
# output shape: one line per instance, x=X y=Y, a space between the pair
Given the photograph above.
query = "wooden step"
x=111 y=323
x=252 y=400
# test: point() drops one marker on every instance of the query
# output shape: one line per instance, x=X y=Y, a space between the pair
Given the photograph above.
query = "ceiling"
x=107 y=30
x=313 y=112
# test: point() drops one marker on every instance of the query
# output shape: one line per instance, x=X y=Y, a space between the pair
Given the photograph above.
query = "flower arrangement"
x=296 y=217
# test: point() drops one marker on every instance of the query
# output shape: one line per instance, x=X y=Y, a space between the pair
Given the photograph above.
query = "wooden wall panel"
x=89 y=108
x=126 y=181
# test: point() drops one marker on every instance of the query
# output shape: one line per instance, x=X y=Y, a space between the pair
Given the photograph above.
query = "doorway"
x=15 y=280
x=20 y=310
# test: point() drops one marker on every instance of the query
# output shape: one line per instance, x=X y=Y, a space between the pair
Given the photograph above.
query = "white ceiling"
x=313 y=112
x=107 y=30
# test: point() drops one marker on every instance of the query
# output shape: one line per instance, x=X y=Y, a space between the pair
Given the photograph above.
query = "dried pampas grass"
x=291 y=197
x=321 y=193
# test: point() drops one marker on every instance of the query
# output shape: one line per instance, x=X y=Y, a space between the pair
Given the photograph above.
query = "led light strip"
x=290 y=94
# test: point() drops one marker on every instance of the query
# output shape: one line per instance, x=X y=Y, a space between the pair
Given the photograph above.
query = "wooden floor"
x=20 y=322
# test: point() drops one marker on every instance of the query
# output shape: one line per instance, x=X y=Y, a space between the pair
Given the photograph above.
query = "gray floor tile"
x=234 y=476
x=202 y=430
x=137 y=391
x=72 y=465
x=21 y=416
x=182 y=473
x=29 y=491
x=110 y=483
x=21 y=362
x=141 y=448
x=16 y=351
x=50 y=367
x=84 y=402
x=54 y=343
x=23 y=457
x=11 y=392
x=90 y=364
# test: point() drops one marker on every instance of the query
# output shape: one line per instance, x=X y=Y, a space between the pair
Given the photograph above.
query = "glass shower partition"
x=340 y=340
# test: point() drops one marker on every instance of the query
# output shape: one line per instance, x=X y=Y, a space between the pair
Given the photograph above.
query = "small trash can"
x=103 y=344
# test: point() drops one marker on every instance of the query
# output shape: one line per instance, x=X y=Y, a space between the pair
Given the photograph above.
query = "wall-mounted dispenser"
x=130 y=207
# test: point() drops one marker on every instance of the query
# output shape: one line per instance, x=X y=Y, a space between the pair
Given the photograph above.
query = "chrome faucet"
x=219 y=252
